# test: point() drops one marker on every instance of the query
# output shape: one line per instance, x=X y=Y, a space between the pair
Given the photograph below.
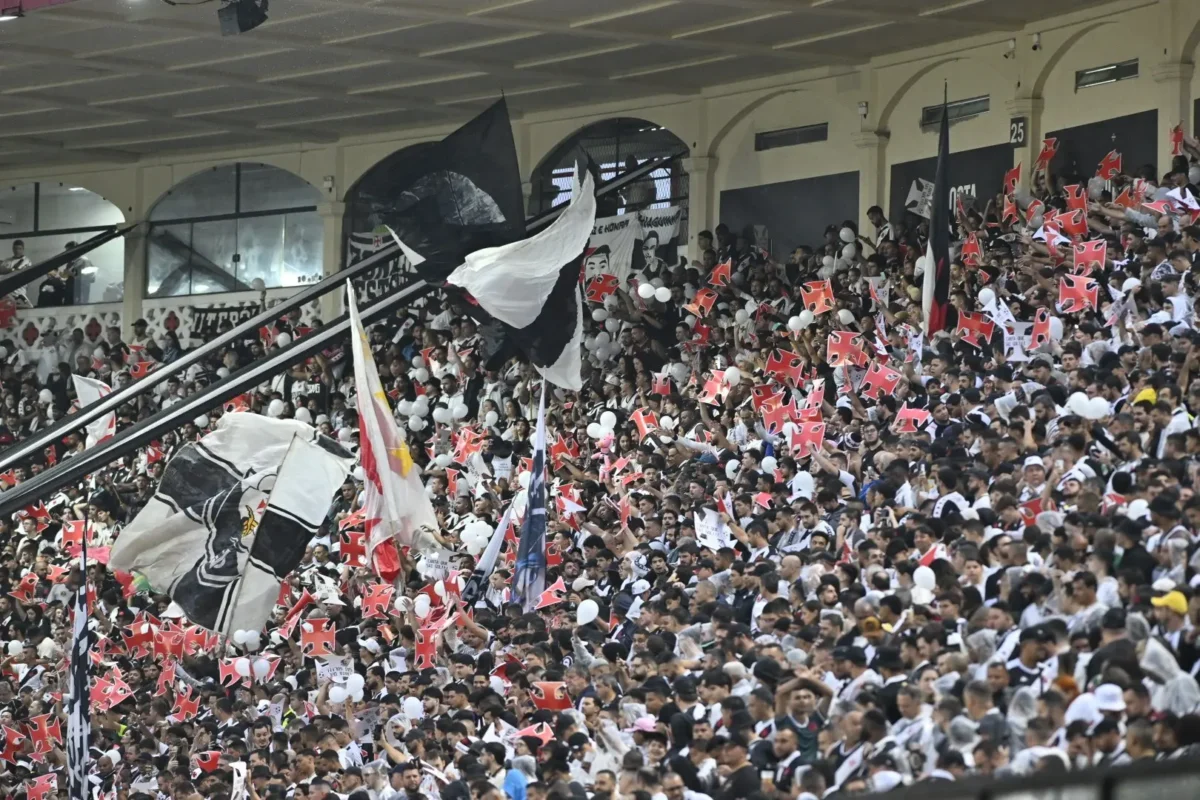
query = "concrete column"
x=1030 y=108
x=872 y=174
x=701 y=203
x=136 y=278
x=1174 y=84
x=332 y=215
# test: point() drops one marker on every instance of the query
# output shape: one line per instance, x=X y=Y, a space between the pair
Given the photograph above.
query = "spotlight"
x=1037 y=42
x=1012 y=47
x=240 y=16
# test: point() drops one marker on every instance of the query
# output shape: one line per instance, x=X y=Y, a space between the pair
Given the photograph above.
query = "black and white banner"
x=642 y=244
x=232 y=517
x=384 y=278
x=660 y=239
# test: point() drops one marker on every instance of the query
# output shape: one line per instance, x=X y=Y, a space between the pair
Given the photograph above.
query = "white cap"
x=641 y=586
x=1035 y=461
x=1109 y=697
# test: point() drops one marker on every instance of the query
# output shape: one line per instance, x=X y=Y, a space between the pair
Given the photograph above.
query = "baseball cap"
x=855 y=655
x=1035 y=461
x=1109 y=697
x=1172 y=601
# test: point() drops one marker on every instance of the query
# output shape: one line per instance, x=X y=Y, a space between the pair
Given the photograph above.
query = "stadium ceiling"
x=122 y=80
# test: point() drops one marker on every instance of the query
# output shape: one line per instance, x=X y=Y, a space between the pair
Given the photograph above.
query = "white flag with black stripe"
x=79 y=717
x=232 y=517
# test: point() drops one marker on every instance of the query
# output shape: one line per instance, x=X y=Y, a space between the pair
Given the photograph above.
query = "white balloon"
x=441 y=414
x=795 y=325
x=587 y=612
x=443 y=460
x=645 y=291
x=657 y=283
x=922 y=264
x=602 y=338
x=523 y=480
x=357 y=696
x=1097 y=408
x=253 y=641
x=416 y=424
x=662 y=294
x=421 y=405
x=827 y=261
x=337 y=695
x=1056 y=329
x=594 y=430
x=666 y=423
x=460 y=411
x=418 y=362
x=242 y=667
x=222 y=372
x=1077 y=403
x=283 y=340
x=849 y=252
x=275 y=408
x=612 y=325
x=741 y=316
x=925 y=578
x=689 y=320
x=421 y=374
x=733 y=376
x=491 y=418
x=846 y=316
x=239 y=637
x=599 y=315
x=355 y=683
x=731 y=469
x=680 y=371
x=589 y=343
x=421 y=606
x=404 y=407
x=439 y=589
x=769 y=463
x=262 y=667
x=846 y=235
x=608 y=420
x=986 y=296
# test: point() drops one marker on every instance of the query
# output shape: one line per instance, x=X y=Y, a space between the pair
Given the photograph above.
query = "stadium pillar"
x=1174 y=81
x=1025 y=115
x=332 y=216
x=135 y=278
x=872 y=174
x=701 y=174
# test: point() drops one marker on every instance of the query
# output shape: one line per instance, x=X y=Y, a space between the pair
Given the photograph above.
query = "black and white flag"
x=477 y=584
x=232 y=517
x=79 y=715
x=532 y=287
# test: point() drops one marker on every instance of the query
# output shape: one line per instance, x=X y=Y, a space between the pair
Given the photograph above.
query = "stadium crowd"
x=983 y=564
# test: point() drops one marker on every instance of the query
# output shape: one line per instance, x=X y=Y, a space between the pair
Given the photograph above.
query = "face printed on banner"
x=596 y=262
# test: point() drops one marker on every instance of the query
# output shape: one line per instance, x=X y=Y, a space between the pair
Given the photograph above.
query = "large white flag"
x=90 y=390
x=232 y=517
x=396 y=509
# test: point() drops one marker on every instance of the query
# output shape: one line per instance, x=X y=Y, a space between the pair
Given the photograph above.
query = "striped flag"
x=529 y=574
x=79 y=718
x=935 y=292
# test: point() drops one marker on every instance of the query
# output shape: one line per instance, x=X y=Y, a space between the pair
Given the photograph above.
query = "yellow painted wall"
x=722 y=121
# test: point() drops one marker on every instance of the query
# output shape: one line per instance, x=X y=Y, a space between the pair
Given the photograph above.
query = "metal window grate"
x=1109 y=73
x=790 y=137
x=931 y=116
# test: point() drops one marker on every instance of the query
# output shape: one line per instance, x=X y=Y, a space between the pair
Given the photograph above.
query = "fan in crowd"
x=796 y=547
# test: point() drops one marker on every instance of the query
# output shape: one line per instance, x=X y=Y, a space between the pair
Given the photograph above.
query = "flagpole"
x=79 y=714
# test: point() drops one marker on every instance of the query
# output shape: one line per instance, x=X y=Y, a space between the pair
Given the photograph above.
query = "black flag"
x=461 y=195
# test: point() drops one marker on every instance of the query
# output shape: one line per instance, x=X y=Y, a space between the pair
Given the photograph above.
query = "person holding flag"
x=529 y=577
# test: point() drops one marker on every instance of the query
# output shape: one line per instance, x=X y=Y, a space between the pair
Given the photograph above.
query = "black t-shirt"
x=52 y=292
x=741 y=784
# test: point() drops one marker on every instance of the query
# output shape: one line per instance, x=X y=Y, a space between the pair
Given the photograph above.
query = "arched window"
x=47 y=216
x=232 y=228
x=616 y=145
